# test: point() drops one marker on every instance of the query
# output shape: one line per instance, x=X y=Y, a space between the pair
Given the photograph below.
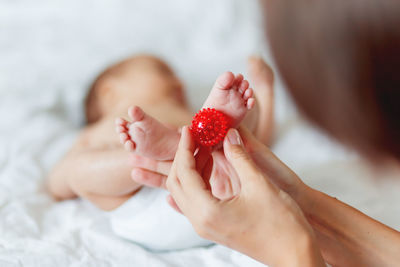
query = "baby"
x=99 y=170
x=149 y=138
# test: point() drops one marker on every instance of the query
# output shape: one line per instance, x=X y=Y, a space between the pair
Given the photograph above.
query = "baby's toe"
x=244 y=85
x=120 y=122
x=238 y=79
x=224 y=81
x=250 y=103
x=135 y=113
x=120 y=129
x=129 y=145
x=247 y=94
x=123 y=137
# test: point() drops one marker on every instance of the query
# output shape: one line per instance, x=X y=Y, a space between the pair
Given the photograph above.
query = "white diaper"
x=147 y=219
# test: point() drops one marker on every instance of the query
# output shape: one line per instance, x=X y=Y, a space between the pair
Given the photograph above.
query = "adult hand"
x=261 y=221
x=272 y=166
x=149 y=172
x=223 y=180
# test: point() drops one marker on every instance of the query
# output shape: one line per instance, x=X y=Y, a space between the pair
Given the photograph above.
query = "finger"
x=249 y=140
x=161 y=167
x=207 y=172
x=268 y=162
x=149 y=178
x=191 y=181
x=224 y=182
x=175 y=188
x=186 y=149
x=239 y=158
x=184 y=158
x=173 y=204
x=221 y=187
x=202 y=158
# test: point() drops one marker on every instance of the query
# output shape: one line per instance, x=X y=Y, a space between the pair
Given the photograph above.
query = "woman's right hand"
x=261 y=221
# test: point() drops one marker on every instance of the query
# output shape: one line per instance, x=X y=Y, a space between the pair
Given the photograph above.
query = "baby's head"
x=136 y=80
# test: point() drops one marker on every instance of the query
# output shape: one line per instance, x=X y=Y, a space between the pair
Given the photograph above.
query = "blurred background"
x=50 y=52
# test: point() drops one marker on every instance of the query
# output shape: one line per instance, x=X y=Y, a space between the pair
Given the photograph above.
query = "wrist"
x=305 y=197
x=301 y=193
x=302 y=252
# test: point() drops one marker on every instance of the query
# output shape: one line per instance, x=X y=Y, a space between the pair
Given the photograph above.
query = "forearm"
x=346 y=236
x=302 y=251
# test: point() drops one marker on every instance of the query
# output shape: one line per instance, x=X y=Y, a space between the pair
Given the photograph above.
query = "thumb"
x=238 y=157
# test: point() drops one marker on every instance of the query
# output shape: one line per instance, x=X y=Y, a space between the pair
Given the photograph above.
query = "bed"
x=50 y=51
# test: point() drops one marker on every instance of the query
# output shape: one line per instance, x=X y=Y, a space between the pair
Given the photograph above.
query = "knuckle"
x=239 y=153
x=209 y=217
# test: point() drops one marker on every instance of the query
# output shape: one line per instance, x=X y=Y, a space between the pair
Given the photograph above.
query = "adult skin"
x=247 y=222
x=261 y=221
x=340 y=61
x=345 y=236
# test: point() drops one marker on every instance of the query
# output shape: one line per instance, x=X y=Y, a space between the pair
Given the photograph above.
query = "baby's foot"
x=147 y=136
x=232 y=96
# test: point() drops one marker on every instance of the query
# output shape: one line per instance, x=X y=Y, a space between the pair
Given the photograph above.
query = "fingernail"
x=234 y=137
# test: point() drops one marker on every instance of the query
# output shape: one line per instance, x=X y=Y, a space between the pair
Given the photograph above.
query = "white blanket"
x=50 y=51
x=149 y=221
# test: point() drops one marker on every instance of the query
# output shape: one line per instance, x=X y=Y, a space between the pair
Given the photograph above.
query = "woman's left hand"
x=262 y=221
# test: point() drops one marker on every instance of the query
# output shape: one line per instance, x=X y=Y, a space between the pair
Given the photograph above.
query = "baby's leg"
x=260 y=120
x=97 y=167
x=229 y=94
x=94 y=168
x=150 y=138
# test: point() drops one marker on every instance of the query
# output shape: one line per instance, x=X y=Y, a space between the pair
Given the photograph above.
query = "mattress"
x=50 y=52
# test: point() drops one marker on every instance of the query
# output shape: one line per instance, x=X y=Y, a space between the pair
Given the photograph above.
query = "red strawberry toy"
x=209 y=126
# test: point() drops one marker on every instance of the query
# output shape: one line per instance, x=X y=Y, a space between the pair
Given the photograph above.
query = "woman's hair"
x=340 y=60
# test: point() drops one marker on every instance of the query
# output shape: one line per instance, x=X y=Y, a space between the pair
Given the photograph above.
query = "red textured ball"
x=209 y=126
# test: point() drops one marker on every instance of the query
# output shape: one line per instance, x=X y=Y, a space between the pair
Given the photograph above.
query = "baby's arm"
x=96 y=168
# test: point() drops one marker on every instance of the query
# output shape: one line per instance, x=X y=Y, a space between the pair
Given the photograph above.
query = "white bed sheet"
x=49 y=53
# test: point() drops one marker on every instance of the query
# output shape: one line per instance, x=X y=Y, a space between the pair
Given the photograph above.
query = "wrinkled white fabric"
x=148 y=220
x=49 y=53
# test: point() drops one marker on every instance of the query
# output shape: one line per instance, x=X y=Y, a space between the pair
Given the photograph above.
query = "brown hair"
x=340 y=60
